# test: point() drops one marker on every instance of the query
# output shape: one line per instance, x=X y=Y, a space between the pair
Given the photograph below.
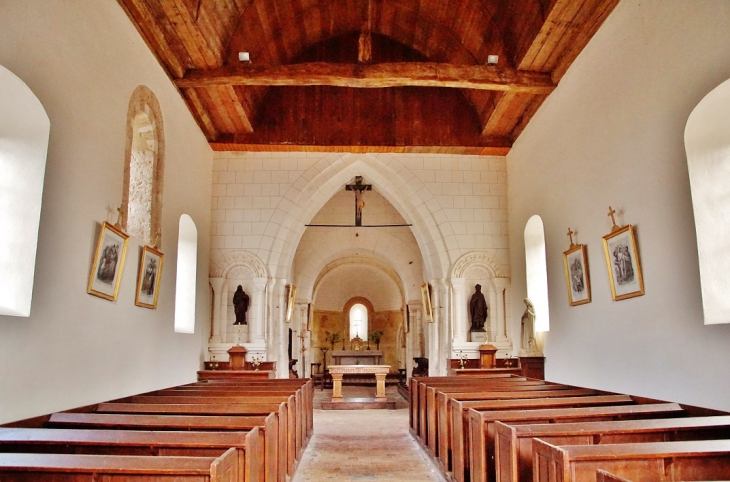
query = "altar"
x=357 y=357
x=337 y=371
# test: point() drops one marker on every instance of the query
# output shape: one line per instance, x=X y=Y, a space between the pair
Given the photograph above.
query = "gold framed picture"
x=148 y=280
x=622 y=262
x=291 y=299
x=426 y=299
x=576 y=275
x=106 y=270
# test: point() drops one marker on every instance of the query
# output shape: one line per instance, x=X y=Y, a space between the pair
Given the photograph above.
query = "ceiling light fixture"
x=492 y=59
x=244 y=57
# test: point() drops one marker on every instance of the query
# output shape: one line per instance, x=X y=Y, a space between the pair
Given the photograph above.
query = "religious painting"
x=148 y=280
x=576 y=275
x=106 y=270
x=622 y=262
x=426 y=299
x=291 y=299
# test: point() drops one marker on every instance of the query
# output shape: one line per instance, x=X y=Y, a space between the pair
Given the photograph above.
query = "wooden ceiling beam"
x=401 y=74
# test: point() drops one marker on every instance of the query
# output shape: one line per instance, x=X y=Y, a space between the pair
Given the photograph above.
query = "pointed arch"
x=396 y=183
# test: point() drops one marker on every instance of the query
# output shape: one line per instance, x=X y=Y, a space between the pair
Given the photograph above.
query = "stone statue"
x=478 y=309
x=240 y=306
x=527 y=339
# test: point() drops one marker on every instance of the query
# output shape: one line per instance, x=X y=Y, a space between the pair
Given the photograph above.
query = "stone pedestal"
x=487 y=356
x=237 y=357
x=478 y=336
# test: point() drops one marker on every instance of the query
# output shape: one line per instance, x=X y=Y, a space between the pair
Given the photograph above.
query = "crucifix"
x=570 y=234
x=359 y=188
x=120 y=213
x=611 y=212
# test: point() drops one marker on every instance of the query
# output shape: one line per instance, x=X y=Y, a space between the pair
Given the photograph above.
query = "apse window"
x=24 y=131
x=536 y=272
x=187 y=259
x=358 y=321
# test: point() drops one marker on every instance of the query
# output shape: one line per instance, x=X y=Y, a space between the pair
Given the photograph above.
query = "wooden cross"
x=120 y=213
x=611 y=212
x=359 y=188
x=570 y=235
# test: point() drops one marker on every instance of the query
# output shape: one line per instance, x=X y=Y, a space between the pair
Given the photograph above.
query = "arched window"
x=359 y=321
x=707 y=141
x=24 y=130
x=536 y=271
x=143 y=170
x=187 y=259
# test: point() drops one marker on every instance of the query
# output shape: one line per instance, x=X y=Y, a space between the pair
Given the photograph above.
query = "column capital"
x=216 y=283
x=458 y=284
x=500 y=283
x=260 y=284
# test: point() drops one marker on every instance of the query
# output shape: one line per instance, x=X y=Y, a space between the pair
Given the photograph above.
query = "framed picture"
x=148 y=280
x=622 y=262
x=426 y=299
x=576 y=275
x=291 y=299
x=106 y=270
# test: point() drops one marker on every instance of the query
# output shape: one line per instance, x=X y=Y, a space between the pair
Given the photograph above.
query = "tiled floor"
x=363 y=445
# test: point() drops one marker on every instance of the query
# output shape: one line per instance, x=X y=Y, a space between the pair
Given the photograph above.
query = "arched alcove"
x=707 y=142
x=536 y=272
x=24 y=133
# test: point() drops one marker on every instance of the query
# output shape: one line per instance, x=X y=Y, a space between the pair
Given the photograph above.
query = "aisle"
x=363 y=445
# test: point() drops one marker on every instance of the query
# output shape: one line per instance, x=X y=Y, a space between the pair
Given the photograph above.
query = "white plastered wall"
x=613 y=134
x=83 y=60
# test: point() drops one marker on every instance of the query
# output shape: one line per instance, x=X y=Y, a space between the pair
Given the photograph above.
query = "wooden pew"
x=651 y=461
x=273 y=444
x=56 y=467
x=482 y=425
x=458 y=444
x=121 y=442
x=513 y=443
x=603 y=476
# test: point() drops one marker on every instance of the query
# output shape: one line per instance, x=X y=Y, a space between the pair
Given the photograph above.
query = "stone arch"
x=485 y=259
x=317 y=185
x=221 y=267
x=144 y=113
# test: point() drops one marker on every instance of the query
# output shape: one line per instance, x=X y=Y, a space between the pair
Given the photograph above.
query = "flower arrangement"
x=332 y=338
x=375 y=337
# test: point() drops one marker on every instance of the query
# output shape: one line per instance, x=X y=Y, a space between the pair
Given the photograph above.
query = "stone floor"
x=363 y=445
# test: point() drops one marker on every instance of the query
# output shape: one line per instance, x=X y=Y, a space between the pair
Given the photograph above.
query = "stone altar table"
x=337 y=371
x=357 y=357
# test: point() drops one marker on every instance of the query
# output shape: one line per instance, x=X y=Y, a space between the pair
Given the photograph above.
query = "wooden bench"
x=482 y=425
x=118 y=468
x=120 y=442
x=603 y=476
x=275 y=459
x=458 y=443
x=513 y=443
x=652 y=461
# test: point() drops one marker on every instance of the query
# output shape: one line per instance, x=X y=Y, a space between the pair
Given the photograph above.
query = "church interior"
x=364 y=171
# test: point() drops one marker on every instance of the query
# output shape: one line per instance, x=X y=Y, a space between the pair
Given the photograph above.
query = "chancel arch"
x=143 y=167
x=707 y=142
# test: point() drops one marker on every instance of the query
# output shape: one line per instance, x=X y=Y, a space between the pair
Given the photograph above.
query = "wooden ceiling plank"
x=527 y=115
x=419 y=74
x=197 y=46
x=200 y=113
x=569 y=21
x=590 y=27
x=544 y=33
x=154 y=36
x=224 y=112
x=497 y=150
x=240 y=110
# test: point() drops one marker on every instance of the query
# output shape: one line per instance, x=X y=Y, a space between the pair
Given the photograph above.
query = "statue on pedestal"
x=240 y=306
x=478 y=309
x=527 y=338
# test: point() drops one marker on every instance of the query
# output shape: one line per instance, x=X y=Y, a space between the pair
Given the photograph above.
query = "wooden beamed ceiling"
x=366 y=75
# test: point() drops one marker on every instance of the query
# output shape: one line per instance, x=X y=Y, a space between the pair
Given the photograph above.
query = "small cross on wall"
x=611 y=212
x=570 y=235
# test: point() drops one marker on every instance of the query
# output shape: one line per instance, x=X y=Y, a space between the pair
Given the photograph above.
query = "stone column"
x=433 y=355
x=445 y=329
x=218 y=307
x=223 y=320
x=461 y=319
x=282 y=329
x=500 y=284
x=256 y=325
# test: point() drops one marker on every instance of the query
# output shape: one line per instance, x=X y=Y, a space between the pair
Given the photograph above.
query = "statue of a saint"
x=527 y=340
x=240 y=306
x=478 y=309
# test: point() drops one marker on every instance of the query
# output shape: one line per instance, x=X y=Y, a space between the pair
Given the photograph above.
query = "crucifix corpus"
x=359 y=188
